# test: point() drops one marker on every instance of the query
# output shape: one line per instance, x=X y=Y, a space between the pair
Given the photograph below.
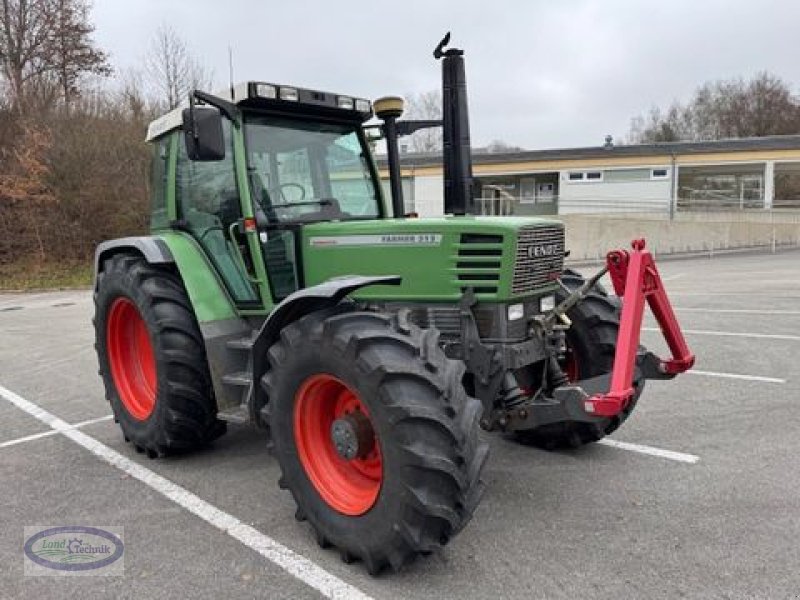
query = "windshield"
x=309 y=171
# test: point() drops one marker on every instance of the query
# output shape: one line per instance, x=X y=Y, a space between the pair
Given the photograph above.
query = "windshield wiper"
x=322 y=202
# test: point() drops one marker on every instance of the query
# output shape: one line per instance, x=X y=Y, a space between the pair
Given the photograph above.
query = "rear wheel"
x=152 y=358
x=591 y=344
x=376 y=438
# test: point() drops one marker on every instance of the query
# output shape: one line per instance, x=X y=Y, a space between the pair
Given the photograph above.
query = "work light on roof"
x=265 y=90
x=289 y=93
x=345 y=102
x=363 y=106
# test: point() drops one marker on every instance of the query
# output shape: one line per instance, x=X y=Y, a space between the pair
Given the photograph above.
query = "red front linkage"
x=636 y=279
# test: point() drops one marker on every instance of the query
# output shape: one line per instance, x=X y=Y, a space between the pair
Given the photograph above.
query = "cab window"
x=208 y=203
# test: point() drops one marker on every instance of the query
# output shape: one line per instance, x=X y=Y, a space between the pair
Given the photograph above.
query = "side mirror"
x=202 y=131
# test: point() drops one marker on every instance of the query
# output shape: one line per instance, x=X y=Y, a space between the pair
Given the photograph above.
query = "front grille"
x=540 y=258
x=479 y=260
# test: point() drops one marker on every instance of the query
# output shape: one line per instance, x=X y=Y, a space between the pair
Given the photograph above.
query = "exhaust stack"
x=455 y=121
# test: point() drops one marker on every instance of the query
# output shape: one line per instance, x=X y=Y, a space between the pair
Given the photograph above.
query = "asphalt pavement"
x=718 y=518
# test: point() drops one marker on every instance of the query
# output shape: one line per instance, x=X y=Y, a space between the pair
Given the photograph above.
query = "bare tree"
x=499 y=146
x=45 y=47
x=670 y=125
x=26 y=32
x=132 y=95
x=73 y=53
x=425 y=105
x=172 y=70
x=732 y=108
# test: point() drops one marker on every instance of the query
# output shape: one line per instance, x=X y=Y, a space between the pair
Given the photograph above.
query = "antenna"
x=230 y=70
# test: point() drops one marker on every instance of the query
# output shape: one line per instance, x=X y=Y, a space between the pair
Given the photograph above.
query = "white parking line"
x=765 y=336
x=739 y=294
x=738 y=311
x=298 y=566
x=649 y=450
x=36 y=436
x=736 y=376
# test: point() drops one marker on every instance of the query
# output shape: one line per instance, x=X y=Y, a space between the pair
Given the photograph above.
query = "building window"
x=721 y=187
x=787 y=185
x=659 y=173
x=593 y=176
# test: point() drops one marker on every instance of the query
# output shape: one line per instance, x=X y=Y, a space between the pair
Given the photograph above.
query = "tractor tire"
x=412 y=481
x=591 y=343
x=152 y=358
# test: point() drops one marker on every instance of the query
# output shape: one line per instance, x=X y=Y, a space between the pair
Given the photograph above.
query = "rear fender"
x=209 y=298
x=154 y=250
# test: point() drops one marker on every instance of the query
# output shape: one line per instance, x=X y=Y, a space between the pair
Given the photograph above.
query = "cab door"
x=209 y=208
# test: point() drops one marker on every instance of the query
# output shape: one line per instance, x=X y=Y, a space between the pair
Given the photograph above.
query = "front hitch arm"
x=635 y=279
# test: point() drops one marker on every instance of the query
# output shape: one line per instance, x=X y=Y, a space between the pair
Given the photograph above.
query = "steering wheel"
x=291 y=185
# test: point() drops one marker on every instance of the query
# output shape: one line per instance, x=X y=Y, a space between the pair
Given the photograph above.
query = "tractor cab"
x=270 y=160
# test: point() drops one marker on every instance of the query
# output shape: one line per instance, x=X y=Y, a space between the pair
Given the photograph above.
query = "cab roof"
x=257 y=94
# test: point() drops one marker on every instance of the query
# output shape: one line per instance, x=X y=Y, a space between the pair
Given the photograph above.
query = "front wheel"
x=376 y=438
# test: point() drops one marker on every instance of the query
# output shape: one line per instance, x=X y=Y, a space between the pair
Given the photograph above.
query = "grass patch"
x=27 y=276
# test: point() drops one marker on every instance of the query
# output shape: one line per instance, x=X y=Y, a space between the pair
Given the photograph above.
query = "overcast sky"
x=541 y=74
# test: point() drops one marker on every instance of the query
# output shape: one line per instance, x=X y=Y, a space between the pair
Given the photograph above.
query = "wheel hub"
x=353 y=436
x=337 y=444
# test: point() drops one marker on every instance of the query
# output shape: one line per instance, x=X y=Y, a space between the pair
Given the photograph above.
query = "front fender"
x=295 y=306
x=316 y=297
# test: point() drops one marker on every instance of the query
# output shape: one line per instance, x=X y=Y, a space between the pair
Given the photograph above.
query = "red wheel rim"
x=349 y=486
x=130 y=355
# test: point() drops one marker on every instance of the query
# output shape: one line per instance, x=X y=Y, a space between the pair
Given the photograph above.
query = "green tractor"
x=278 y=287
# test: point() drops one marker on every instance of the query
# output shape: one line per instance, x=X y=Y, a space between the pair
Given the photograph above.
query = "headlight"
x=516 y=311
x=547 y=303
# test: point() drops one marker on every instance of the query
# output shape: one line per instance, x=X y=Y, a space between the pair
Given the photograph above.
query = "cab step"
x=238 y=379
x=245 y=343
x=237 y=414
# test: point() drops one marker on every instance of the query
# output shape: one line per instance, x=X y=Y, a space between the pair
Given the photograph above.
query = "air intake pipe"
x=389 y=108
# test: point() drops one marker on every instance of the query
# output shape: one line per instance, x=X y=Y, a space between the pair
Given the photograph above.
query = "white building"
x=736 y=174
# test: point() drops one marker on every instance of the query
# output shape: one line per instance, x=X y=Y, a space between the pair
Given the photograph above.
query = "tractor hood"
x=500 y=258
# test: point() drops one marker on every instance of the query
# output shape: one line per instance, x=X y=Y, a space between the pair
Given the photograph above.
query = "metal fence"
x=596 y=224
x=616 y=206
